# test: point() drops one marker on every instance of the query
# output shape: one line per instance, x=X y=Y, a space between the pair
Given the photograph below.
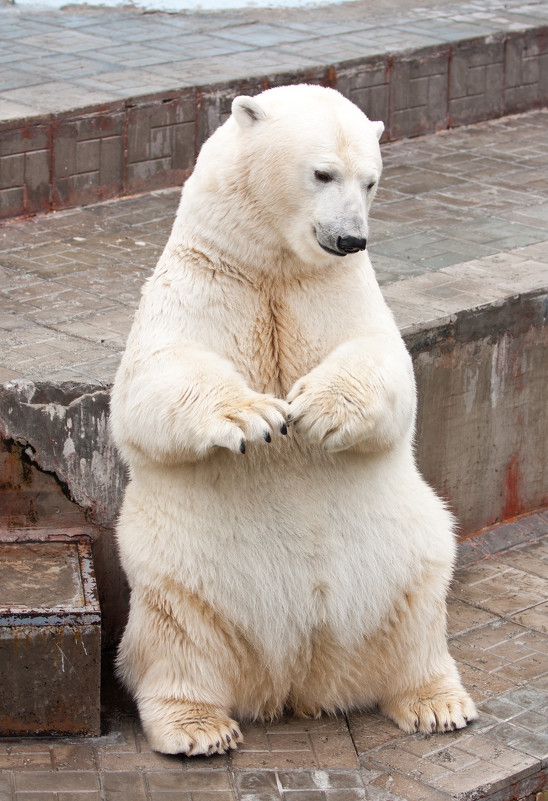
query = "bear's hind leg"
x=180 y=660
x=421 y=688
x=175 y=726
x=440 y=705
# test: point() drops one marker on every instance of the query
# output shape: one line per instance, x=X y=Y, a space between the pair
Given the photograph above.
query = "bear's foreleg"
x=176 y=659
x=362 y=393
x=179 y=402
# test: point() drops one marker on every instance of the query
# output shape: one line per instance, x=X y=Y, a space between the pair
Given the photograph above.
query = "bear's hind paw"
x=438 y=713
x=192 y=729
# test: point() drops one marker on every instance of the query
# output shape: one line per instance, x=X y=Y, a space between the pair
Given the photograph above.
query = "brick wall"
x=136 y=146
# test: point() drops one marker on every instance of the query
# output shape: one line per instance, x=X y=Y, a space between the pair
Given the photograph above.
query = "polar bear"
x=281 y=547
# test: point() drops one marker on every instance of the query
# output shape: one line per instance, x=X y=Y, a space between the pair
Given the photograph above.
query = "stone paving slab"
x=460 y=222
x=55 y=61
x=498 y=635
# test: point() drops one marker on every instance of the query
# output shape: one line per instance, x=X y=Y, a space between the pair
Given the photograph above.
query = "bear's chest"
x=276 y=344
x=275 y=332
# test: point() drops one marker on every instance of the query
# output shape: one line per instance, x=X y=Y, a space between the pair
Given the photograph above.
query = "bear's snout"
x=351 y=244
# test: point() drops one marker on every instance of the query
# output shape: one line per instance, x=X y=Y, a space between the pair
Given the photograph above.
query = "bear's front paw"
x=328 y=414
x=251 y=418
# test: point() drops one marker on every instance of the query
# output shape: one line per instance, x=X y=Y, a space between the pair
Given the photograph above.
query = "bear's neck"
x=248 y=242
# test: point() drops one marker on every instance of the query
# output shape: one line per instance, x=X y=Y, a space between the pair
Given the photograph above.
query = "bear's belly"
x=282 y=547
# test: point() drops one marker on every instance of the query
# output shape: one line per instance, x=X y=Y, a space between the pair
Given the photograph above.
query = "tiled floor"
x=457 y=205
x=498 y=627
x=52 y=61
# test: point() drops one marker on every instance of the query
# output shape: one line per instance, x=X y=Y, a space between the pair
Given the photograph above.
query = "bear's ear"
x=378 y=127
x=247 y=111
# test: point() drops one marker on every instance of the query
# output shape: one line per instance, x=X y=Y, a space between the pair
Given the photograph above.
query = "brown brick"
x=123 y=786
x=73 y=757
x=273 y=760
x=180 y=109
x=213 y=779
x=38 y=781
x=26 y=761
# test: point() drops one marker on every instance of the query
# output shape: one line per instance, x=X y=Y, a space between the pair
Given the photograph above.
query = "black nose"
x=351 y=244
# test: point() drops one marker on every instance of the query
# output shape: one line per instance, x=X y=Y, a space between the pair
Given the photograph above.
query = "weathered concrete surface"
x=483 y=412
x=65 y=432
x=50 y=639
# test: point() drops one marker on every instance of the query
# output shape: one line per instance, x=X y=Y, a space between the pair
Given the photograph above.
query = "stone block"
x=50 y=638
x=525 y=68
x=11 y=202
x=37 y=176
x=12 y=171
x=111 y=165
x=370 y=90
x=418 y=98
x=22 y=139
x=76 y=141
x=75 y=189
x=475 y=81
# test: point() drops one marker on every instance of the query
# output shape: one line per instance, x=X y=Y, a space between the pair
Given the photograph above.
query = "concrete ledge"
x=147 y=142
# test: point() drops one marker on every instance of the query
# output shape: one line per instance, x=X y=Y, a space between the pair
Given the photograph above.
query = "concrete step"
x=135 y=95
x=50 y=635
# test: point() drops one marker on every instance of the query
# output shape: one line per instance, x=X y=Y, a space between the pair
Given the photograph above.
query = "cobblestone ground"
x=52 y=61
x=498 y=635
x=460 y=216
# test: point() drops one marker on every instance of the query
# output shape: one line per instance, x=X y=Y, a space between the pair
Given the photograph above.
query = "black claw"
x=217 y=744
x=283 y=429
x=267 y=437
x=242 y=446
x=228 y=738
x=235 y=733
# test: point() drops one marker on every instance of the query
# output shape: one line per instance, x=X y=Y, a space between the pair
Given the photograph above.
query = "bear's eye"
x=370 y=186
x=324 y=177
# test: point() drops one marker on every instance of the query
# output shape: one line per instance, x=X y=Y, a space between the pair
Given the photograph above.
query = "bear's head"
x=294 y=171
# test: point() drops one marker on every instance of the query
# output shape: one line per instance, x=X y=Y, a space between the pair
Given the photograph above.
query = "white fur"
x=248 y=322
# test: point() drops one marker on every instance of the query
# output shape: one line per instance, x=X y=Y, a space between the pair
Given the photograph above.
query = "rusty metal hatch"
x=50 y=638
